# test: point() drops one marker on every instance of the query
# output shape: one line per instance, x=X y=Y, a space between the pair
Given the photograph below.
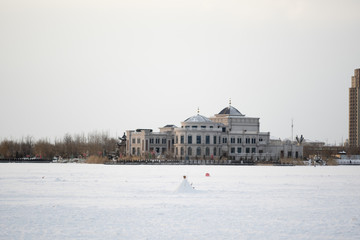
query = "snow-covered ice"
x=82 y=201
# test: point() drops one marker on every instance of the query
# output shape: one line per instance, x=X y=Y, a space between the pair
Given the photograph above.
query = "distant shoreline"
x=178 y=162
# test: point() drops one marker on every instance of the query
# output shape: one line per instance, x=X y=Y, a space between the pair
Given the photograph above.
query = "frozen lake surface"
x=82 y=201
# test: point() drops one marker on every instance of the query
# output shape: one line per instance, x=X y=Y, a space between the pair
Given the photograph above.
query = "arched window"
x=190 y=151
x=198 y=151
x=207 y=151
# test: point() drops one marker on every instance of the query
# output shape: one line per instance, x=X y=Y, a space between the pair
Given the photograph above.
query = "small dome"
x=231 y=111
x=197 y=118
x=170 y=126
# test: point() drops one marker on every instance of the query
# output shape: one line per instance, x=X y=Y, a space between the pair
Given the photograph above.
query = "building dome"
x=231 y=111
x=197 y=119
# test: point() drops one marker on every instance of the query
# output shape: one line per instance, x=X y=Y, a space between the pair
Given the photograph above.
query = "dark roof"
x=231 y=111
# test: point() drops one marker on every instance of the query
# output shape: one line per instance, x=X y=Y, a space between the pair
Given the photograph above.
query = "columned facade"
x=198 y=138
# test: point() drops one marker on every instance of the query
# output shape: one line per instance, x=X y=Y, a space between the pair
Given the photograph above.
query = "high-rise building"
x=354 y=110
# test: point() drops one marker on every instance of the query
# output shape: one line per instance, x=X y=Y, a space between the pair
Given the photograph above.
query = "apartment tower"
x=354 y=110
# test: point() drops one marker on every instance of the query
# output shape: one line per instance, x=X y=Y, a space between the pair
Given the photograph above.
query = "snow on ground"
x=82 y=201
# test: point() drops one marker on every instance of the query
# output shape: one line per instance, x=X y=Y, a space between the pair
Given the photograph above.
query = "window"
x=177 y=139
x=223 y=129
x=198 y=151
x=232 y=140
x=247 y=140
x=211 y=126
x=203 y=127
x=232 y=150
x=151 y=141
x=133 y=151
x=207 y=140
x=207 y=151
x=253 y=140
x=138 y=140
x=260 y=139
x=253 y=150
x=189 y=139
x=214 y=151
x=224 y=140
x=198 y=139
x=247 y=150
x=163 y=141
x=194 y=127
x=214 y=139
x=239 y=149
x=189 y=151
x=138 y=151
x=187 y=126
x=157 y=141
x=182 y=151
x=182 y=139
x=133 y=140
x=239 y=140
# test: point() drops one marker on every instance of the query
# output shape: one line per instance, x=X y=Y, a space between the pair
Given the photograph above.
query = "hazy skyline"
x=80 y=66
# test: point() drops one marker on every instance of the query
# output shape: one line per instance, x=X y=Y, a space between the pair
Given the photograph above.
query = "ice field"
x=83 y=201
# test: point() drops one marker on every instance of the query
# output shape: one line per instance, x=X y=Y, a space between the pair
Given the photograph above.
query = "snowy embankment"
x=348 y=161
x=81 y=201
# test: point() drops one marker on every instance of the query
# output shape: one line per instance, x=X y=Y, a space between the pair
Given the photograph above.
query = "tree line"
x=70 y=146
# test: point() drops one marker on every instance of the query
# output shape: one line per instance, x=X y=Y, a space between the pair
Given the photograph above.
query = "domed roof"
x=197 y=119
x=231 y=111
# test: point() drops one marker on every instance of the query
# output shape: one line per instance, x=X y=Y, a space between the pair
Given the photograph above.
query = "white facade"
x=228 y=134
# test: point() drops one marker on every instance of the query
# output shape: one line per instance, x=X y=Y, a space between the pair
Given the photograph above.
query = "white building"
x=229 y=134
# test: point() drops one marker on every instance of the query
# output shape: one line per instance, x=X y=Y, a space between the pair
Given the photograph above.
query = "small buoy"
x=207 y=174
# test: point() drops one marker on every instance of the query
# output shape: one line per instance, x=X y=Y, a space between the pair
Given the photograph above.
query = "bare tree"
x=44 y=149
x=95 y=144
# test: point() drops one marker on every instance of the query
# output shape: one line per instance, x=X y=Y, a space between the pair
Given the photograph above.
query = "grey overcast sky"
x=76 y=66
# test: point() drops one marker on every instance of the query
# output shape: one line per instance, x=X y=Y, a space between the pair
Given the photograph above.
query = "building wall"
x=285 y=149
x=145 y=142
x=198 y=140
x=237 y=123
